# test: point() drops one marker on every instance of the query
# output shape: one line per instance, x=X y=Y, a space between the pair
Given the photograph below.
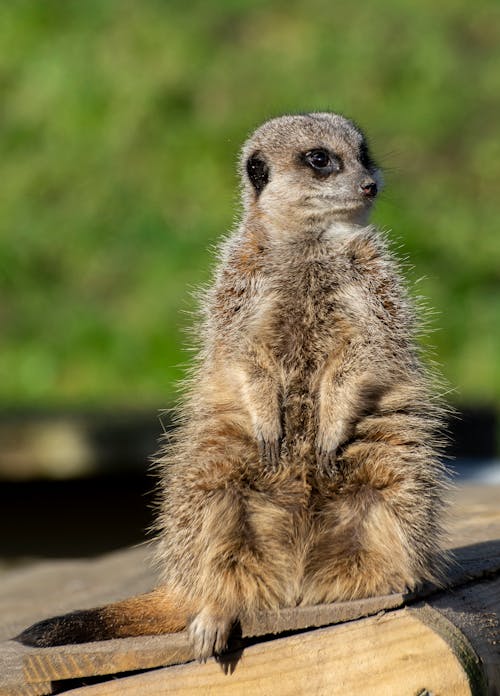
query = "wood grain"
x=392 y=655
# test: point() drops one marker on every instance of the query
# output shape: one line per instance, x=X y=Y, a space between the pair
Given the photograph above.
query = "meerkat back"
x=305 y=467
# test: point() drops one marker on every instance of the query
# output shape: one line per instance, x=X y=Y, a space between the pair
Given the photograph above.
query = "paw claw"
x=270 y=452
x=208 y=635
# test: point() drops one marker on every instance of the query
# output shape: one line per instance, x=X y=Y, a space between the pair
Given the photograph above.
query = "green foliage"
x=121 y=123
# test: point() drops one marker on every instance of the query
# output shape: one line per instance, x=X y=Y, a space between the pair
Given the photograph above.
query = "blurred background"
x=120 y=129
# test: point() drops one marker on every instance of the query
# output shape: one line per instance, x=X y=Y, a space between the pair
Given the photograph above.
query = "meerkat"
x=305 y=466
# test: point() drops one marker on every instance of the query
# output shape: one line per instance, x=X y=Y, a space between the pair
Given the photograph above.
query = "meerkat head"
x=309 y=171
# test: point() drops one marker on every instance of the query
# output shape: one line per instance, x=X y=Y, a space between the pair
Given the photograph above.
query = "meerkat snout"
x=369 y=188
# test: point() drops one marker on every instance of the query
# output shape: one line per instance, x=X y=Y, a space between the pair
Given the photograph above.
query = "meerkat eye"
x=322 y=162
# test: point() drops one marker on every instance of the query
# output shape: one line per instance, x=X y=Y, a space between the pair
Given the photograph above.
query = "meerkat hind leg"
x=379 y=533
x=241 y=549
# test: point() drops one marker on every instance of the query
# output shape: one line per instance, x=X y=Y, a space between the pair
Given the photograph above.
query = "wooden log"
x=474 y=609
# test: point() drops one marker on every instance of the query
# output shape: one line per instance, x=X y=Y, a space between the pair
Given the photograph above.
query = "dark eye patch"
x=322 y=161
x=258 y=172
x=365 y=157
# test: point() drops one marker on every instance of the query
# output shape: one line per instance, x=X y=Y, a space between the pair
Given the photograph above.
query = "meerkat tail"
x=148 y=614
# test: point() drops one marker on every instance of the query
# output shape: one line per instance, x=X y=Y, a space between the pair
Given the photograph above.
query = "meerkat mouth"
x=333 y=205
x=333 y=198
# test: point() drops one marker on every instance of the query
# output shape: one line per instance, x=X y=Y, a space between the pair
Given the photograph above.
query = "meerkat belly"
x=310 y=321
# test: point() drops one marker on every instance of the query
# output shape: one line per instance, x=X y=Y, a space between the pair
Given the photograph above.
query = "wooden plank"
x=474 y=514
x=111 y=657
x=128 y=654
x=46 y=588
x=386 y=654
x=30 y=594
x=392 y=655
x=12 y=674
x=106 y=657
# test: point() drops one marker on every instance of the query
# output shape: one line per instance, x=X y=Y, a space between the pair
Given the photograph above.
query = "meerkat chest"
x=313 y=304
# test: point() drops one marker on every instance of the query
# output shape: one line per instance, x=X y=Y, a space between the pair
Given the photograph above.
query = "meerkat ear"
x=258 y=172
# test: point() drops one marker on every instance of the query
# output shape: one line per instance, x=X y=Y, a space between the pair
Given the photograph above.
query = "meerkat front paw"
x=269 y=452
x=327 y=445
x=269 y=445
x=208 y=634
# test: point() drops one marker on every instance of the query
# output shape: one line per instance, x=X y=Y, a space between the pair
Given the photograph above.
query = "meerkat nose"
x=369 y=188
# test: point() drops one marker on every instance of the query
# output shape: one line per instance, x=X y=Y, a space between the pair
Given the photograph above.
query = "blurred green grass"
x=120 y=128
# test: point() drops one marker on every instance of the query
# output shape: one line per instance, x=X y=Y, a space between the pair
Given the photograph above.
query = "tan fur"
x=151 y=614
x=305 y=466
